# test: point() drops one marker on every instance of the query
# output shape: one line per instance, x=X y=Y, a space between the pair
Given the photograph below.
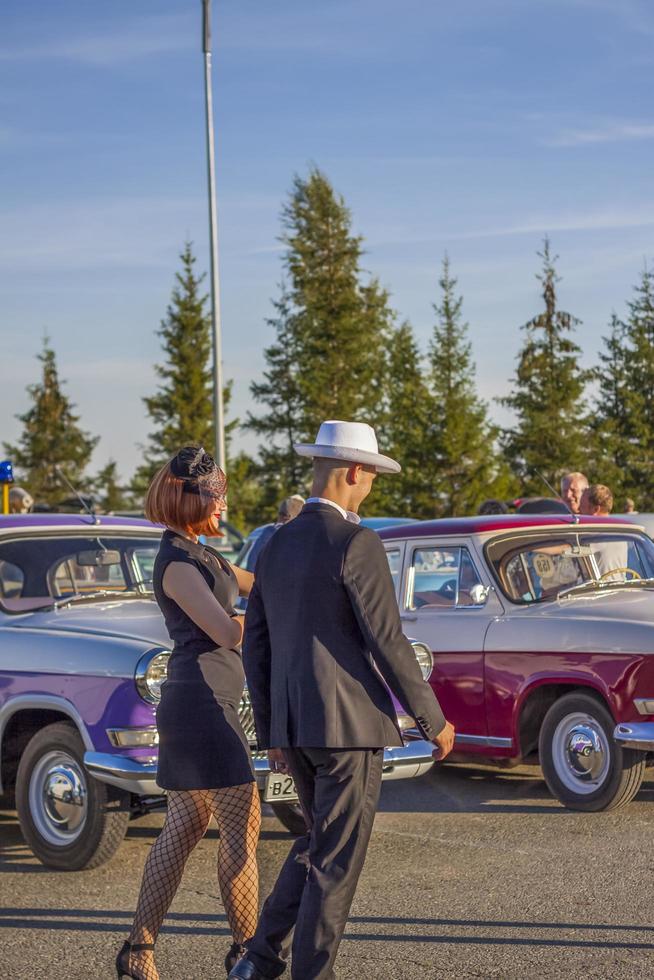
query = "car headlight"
x=151 y=672
x=424 y=658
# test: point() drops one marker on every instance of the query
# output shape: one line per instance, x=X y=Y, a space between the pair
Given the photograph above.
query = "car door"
x=445 y=602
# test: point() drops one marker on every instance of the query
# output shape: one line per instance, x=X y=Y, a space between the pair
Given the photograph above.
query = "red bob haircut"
x=168 y=503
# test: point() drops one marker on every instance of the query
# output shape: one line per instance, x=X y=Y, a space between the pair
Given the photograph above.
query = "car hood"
x=632 y=605
x=132 y=619
x=606 y=622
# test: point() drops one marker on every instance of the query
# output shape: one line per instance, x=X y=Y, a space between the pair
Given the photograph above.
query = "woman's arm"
x=245 y=580
x=185 y=585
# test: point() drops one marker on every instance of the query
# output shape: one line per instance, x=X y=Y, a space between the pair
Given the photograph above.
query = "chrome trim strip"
x=635 y=735
x=487 y=741
x=48 y=702
x=644 y=706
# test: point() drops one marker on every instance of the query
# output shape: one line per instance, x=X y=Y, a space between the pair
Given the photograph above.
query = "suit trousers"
x=339 y=792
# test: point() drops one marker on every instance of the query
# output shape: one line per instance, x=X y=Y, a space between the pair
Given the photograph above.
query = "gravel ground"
x=470 y=873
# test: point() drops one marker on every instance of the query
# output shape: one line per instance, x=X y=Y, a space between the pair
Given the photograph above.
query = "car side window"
x=442 y=578
x=12 y=580
x=394 y=557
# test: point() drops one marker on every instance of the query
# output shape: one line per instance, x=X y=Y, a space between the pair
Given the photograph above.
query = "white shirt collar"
x=348 y=515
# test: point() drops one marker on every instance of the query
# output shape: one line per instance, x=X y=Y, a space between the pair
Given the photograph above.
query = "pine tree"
x=550 y=434
x=182 y=408
x=51 y=438
x=461 y=442
x=108 y=493
x=328 y=358
x=625 y=417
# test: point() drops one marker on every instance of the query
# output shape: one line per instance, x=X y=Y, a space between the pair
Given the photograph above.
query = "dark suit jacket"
x=321 y=631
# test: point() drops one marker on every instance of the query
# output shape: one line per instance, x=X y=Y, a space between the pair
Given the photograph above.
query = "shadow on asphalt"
x=180 y=923
x=14 y=850
x=476 y=789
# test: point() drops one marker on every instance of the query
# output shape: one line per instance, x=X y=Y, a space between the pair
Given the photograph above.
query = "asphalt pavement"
x=471 y=872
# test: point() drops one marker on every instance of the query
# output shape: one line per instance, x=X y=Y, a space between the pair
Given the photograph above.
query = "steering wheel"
x=620 y=571
x=448 y=589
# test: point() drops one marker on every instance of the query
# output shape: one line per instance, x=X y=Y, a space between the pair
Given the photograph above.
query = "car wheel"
x=63 y=812
x=583 y=766
x=290 y=814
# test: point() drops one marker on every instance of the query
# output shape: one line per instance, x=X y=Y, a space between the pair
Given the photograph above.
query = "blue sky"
x=473 y=128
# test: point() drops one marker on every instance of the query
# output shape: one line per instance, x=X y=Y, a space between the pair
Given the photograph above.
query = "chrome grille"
x=246 y=717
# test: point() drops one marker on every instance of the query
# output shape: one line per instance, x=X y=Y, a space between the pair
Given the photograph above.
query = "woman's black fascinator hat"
x=199 y=472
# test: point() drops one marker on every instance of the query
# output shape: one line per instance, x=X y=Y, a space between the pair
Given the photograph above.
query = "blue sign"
x=6 y=472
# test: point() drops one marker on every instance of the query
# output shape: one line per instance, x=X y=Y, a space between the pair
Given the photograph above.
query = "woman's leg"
x=186 y=823
x=237 y=811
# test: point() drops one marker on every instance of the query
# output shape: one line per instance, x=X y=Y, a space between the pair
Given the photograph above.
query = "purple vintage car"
x=83 y=655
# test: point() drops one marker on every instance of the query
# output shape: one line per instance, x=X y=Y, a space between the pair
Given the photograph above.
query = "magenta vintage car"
x=542 y=634
x=83 y=655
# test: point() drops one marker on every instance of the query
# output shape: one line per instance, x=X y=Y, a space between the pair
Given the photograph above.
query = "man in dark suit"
x=323 y=644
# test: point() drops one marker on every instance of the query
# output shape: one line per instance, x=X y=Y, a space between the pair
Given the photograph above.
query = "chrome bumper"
x=635 y=735
x=123 y=773
x=400 y=762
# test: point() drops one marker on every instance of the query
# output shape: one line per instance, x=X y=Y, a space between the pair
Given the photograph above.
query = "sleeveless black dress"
x=201 y=742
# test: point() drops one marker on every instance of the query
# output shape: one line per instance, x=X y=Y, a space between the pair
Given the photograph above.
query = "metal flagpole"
x=218 y=414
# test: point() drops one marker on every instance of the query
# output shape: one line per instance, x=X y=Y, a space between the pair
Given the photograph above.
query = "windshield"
x=539 y=566
x=51 y=567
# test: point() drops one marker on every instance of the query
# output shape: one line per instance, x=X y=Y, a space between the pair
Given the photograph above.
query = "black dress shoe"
x=245 y=970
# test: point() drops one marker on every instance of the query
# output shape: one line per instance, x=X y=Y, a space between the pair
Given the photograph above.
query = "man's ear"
x=353 y=474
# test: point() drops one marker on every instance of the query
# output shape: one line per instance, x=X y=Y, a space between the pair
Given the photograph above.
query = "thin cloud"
x=617 y=132
x=137 y=39
x=606 y=220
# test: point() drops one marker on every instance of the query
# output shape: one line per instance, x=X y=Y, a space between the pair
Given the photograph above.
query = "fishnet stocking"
x=237 y=812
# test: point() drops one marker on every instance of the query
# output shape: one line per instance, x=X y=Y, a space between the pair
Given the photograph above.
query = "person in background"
x=611 y=556
x=596 y=501
x=20 y=501
x=289 y=508
x=493 y=506
x=572 y=487
x=629 y=506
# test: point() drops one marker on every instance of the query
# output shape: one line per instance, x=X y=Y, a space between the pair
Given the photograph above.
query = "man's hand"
x=444 y=742
x=277 y=761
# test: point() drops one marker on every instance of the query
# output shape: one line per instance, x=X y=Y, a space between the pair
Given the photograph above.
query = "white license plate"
x=279 y=788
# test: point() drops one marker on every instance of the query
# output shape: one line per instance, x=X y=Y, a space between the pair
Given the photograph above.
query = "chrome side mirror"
x=479 y=594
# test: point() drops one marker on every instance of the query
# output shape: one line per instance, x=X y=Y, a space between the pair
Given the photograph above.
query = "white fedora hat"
x=353 y=442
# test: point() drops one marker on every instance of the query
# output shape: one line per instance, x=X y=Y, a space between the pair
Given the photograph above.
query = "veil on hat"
x=199 y=472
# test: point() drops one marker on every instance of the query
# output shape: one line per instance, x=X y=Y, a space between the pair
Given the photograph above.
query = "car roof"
x=488 y=523
x=53 y=521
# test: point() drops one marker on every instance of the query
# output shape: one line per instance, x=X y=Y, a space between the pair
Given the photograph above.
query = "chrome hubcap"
x=58 y=798
x=581 y=753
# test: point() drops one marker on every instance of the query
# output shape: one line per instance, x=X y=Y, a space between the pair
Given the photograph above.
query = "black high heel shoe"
x=236 y=952
x=122 y=960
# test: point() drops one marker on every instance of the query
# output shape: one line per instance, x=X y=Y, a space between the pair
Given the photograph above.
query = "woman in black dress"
x=204 y=759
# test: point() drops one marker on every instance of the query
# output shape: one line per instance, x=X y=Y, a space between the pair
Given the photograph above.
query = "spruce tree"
x=182 y=408
x=282 y=471
x=461 y=442
x=550 y=434
x=611 y=435
x=328 y=357
x=403 y=432
x=625 y=417
x=51 y=438
x=108 y=492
